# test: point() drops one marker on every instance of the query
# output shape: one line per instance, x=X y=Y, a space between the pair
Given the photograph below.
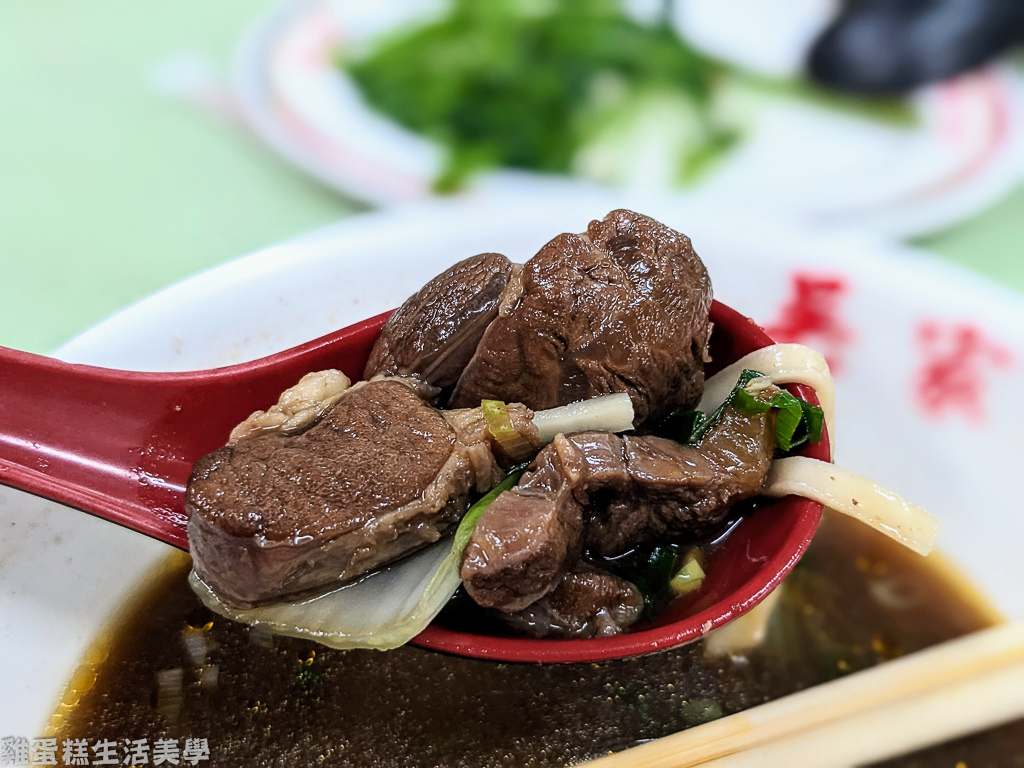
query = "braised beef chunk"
x=435 y=332
x=676 y=491
x=525 y=540
x=627 y=491
x=280 y=487
x=622 y=308
x=588 y=602
x=379 y=476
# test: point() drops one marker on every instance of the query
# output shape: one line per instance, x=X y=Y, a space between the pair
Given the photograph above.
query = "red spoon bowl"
x=120 y=445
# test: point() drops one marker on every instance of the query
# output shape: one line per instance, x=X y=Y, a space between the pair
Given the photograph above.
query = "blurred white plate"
x=889 y=316
x=797 y=158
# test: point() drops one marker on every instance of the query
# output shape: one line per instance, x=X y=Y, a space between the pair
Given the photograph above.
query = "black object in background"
x=891 y=46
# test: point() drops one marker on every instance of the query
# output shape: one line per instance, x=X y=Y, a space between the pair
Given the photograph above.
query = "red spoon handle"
x=121 y=444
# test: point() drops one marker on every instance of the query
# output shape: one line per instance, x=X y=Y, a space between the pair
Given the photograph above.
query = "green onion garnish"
x=797 y=421
x=689 y=578
x=499 y=424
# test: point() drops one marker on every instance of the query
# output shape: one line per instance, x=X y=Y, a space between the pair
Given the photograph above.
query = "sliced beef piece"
x=525 y=540
x=679 y=492
x=379 y=476
x=610 y=494
x=435 y=333
x=588 y=602
x=622 y=308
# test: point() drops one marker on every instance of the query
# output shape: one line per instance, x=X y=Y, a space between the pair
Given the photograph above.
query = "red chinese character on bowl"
x=957 y=363
x=811 y=315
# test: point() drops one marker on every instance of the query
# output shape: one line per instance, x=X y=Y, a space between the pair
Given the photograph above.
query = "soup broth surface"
x=854 y=601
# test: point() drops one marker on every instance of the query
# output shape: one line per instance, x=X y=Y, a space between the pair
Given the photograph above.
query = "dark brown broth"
x=855 y=600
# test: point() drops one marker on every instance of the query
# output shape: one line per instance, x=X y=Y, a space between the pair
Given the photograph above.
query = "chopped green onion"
x=499 y=424
x=651 y=571
x=689 y=578
x=465 y=529
x=658 y=568
x=797 y=421
x=788 y=418
x=745 y=377
x=811 y=427
x=745 y=399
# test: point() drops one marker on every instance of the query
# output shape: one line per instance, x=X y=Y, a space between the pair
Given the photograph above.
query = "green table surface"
x=110 y=190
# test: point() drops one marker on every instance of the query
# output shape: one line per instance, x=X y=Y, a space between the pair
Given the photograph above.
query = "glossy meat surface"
x=666 y=491
x=607 y=494
x=331 y=478
x=380 y=476
x=436 y=331
x=621 y=308
x=525 y=540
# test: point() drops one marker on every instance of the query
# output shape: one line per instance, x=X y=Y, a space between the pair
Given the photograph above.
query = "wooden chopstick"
x=925 y=698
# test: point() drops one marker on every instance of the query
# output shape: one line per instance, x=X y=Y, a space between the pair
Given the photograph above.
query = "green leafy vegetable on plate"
x=526 y=85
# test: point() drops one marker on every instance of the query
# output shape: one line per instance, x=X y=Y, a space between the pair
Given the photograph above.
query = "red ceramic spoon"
x=121 y=444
